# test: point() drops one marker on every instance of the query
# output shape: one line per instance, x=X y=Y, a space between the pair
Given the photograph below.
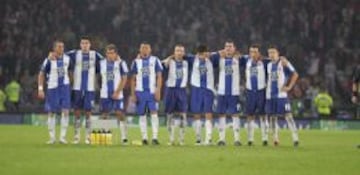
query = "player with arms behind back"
x=113 y=74
x=146 y=82
x=281 y=79
x=57 y=95
x=85 y=62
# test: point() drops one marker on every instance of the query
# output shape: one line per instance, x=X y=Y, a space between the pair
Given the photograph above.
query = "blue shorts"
x=201 y=100
x=175 y=100
x=83 y=100
x=109 y=104
x=228 y=104
x=58 y=99
x=145 y=101
x=255 y=102
x=278 y=106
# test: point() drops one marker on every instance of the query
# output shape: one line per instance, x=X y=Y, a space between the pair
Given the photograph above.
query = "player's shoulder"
x=156 y=58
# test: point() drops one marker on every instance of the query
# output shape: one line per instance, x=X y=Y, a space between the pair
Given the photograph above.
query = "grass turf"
x=23 y=151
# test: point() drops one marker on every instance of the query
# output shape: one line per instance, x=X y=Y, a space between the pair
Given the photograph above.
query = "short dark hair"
x=273 y=46
x=179 y=45
x=145 y=43
x=111 y=47
x=229 y=41
x=56 y=41
x=202 y=48
x=258 y=46
x=85 y=37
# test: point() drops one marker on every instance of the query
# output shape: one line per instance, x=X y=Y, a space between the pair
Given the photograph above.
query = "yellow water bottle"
x=93 y=137
x=108 y=138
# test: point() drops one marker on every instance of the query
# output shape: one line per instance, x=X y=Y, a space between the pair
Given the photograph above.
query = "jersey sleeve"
x=124 y=68
x=289 y=69
x=215 y=58
x=45 y=66
x=133 y=70
x=190 y=59
x=158 y=66
x=243 y=60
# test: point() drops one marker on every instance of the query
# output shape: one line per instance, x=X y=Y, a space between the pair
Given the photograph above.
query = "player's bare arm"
x=41 y=78
x=158 y=86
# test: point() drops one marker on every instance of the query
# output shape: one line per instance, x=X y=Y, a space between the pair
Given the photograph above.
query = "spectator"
x=2 y=100
x=12 y=91
x=324 y=102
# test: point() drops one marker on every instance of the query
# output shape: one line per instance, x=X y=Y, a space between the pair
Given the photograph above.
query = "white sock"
x=250 y=128
x=172 y=126
x=292 y=126
x=88 y=127
x=155 y=125
x=183 y=123
x=208 y=130
x=123 y=129
x=143 y=127
x=222 y=128
x=64 y=124
x=264 y=128
x=77 y=126
x=168 y=121
x=197 y=125
x=51 y=126
x=275 y=128
x=236 y=128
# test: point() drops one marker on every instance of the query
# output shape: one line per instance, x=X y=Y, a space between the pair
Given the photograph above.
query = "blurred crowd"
x=320 y=37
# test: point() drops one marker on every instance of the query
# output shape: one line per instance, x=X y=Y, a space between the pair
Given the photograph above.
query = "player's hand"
x=133 y=98
x=157 y=95
x=285 y=88
x=237 y=54
x=116 y=94
x=222 y=53
x=41 y=94
x=354 y=99
x=51 y=56
x=284 y=60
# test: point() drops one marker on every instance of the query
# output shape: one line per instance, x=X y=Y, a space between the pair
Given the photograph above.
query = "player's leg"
x=140 y=110
x=181 y=108
x=182 y=128
x=274 y=128
x=88 y=105
x=153 y=107
x=51 y=106
x=292 y=126
x=264 y=126
x=77 y=105
x=221 y=110
x=251 y=105
x=65 y=105
x=196 y=101
x=207 y=109
x=118 y=106
x=284 y=108
x=169 y=102
x=264 y=123
x=51 y=127
x=233 y=109
x=271 y=111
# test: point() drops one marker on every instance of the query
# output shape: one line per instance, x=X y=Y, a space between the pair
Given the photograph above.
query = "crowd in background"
x=319 y=37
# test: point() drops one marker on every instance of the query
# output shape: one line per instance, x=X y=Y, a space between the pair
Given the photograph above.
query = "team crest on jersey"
x=145 y=71
x=202 y=69
x=229 y=70
x=110 y=76
x=179 y=73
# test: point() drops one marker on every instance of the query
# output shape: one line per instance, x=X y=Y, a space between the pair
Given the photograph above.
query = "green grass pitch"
x=23 y=151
